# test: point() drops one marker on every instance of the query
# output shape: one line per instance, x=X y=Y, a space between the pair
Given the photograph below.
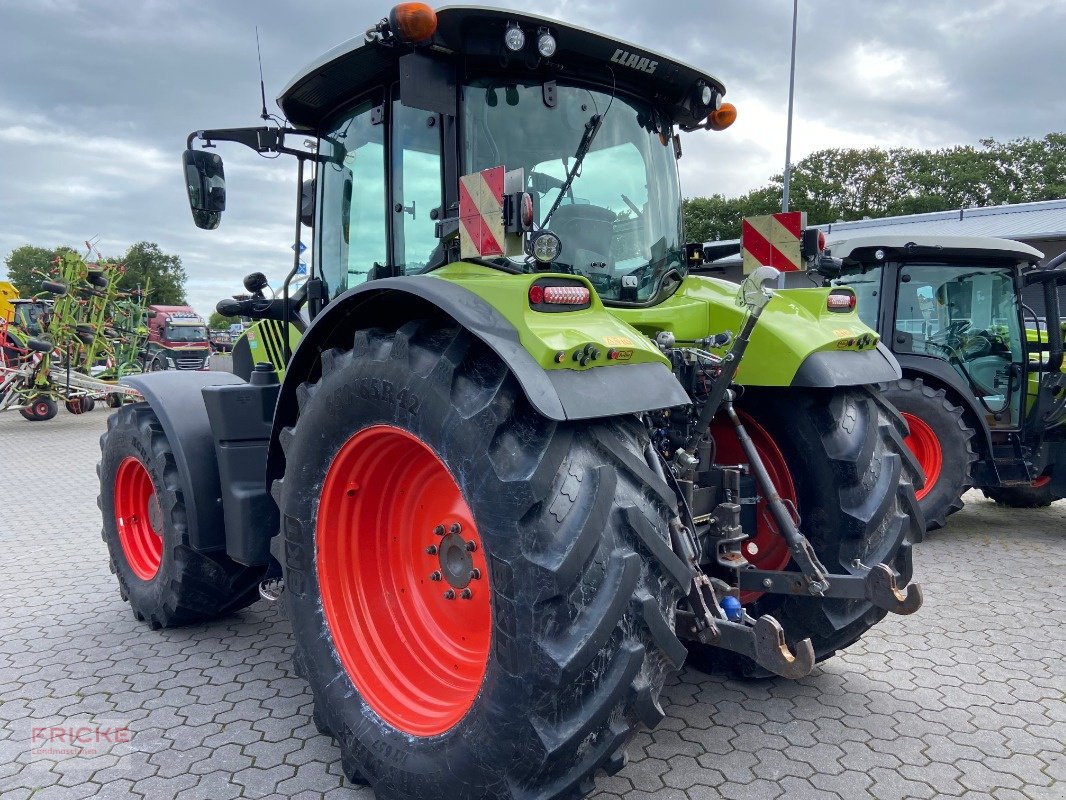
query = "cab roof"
x=473 y=35
x=861 y=248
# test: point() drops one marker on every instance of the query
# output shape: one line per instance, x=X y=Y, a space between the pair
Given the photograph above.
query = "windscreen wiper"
x=592 y=127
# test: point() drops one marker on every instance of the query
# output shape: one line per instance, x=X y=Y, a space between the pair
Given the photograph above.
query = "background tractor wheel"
x=1036 y=495
x=40 y=409
x=166 y=582
x=80 y=405
x=839 y=456
x=941 y=441
x=482 y=599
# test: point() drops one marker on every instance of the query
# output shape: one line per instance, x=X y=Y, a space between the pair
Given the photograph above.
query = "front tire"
x=839 y=455
x=41 y=409
x=539 y=678
x=942 y=443
x=166 y=582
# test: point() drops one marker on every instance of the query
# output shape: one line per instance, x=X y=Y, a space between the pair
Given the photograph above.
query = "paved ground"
x=966 y=698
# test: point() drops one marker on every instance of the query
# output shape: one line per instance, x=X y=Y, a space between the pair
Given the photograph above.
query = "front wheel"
x=142 y=500
x=482 y=599
x=942 y=443
x=838 y=456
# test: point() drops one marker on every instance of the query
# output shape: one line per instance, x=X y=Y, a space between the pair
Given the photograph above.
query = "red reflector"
x=564 y=295
x=840 y=302
x=536 y=295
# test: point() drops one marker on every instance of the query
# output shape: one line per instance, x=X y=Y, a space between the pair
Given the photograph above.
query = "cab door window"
x=352 y=226
x=416 y=187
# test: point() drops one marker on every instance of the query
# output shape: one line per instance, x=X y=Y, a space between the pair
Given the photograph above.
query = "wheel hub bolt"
x=466 y=594
x=471 y=547
x=432 y=549
x=436 y=576
x=456 y=528
x=449 y=595
x=439 y=531
x=767 y=583
x=475 y=574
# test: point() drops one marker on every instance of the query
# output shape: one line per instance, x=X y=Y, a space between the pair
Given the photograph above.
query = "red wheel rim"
x=417 y=657
x=137 y=516
x=767 y=548
x=923 y=442
x=43 y=409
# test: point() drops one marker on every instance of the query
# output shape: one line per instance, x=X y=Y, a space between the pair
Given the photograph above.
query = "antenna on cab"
x=262 y=88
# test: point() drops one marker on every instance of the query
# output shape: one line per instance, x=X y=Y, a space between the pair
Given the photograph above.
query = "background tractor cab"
x=982 y=387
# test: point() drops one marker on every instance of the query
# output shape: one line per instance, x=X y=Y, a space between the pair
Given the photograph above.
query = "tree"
x=708 y=219
x=27 y=266
x=217 y=321
x=146 y=263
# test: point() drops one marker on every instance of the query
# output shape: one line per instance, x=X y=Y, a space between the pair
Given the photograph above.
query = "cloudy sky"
x=97 y=97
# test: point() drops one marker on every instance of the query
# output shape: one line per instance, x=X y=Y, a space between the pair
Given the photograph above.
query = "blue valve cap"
x=734 y=611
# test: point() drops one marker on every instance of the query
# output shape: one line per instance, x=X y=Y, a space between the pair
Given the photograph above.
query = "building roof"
x=1027 y=221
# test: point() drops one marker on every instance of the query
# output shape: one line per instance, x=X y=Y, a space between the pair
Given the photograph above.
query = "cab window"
x=352 y=225
x=416 y=187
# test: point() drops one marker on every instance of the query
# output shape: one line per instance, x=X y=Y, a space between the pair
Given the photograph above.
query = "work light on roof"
x=545 y=43
x=514 y=38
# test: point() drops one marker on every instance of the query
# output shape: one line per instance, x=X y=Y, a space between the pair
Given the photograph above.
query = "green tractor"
x=983 y=387
x=519 y=459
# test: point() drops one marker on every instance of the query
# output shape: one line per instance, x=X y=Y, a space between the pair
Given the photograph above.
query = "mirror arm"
x=262 y=140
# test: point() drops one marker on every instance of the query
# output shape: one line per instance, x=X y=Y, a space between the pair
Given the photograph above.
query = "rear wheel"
x=1036 y=495
x=166 y=582
x=482 y=599
x=941 y=441
x=839 y=456
x=41 y=408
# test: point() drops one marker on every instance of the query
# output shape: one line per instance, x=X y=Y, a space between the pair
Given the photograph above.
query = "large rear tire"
x=841 y=457
x=166 y=582
x=942 y=443
x=538 y=678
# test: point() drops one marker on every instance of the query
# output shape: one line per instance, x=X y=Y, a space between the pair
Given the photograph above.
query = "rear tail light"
x=841 y=301
x=557 y=294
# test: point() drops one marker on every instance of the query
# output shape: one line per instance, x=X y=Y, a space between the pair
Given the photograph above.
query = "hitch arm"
x=877 y=585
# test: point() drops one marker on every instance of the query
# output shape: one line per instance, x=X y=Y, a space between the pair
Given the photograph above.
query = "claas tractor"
x=983 y=387
x=512 y=460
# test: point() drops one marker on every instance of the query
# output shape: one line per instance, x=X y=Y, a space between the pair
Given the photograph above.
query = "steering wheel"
x=976 y=346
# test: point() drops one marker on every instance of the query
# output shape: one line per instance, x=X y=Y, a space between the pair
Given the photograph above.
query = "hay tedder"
x=505 y=461
x=73 y=342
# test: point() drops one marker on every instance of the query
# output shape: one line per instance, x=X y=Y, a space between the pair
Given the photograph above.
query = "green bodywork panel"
x=546 y=334
x=265 y=343
x=1033 y=339
x=794 y=325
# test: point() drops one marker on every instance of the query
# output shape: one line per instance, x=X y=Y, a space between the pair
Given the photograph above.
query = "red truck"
x=177 y=339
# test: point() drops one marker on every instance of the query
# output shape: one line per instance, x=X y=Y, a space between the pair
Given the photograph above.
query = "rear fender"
x=559 y=394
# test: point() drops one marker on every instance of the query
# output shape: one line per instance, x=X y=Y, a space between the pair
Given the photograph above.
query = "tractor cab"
x=956 y=301
x=586 y=131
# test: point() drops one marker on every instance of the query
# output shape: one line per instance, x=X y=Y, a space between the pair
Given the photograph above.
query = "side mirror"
x=205 y=181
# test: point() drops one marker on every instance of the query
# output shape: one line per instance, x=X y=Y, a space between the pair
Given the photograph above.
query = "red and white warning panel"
x=773 y=241
x=481 y=224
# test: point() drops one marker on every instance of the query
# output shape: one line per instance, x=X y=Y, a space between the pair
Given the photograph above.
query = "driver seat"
x=586 y=232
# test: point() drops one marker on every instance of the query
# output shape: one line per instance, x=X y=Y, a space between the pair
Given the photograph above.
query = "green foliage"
x=218 y=322
x=27 y=266
x=851 y=184
x=164 y=274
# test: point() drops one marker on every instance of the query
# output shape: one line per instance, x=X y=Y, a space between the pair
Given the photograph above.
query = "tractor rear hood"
x=475 y=37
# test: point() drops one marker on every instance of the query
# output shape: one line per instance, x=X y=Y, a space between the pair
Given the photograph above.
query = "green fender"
x=798 y=341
